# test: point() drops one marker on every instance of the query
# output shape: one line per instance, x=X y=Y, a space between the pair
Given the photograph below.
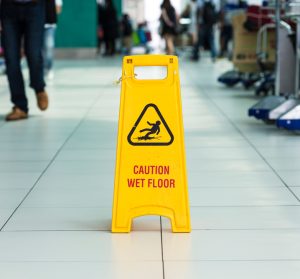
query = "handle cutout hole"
x=150 y=72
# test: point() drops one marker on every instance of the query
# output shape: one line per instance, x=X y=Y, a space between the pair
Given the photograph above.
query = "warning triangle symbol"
x=150 y=128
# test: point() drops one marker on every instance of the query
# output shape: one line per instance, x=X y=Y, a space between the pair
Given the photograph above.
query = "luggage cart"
x=247 y=70
x=265 y=52
x=270 y=106
x=290 y=117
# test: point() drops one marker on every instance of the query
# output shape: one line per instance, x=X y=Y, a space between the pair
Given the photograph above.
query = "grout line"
x=162 y=248
x=49 y=230
x=245 y=206
x=192 y=206
x=153 y=261
x=81 y=261
x=152 y=231
x=52 y=160
x=233 y=187
x=249 y=142
x=262 y=260
x=73 y=230
x=247 y=229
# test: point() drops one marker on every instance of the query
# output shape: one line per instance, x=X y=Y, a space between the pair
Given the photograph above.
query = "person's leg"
x=198 y=43
x=106 y=46
x=222 y=40
x=228 y=37
x=113 y=46
x=109 y=47
x=49 y=43
x=212 y=45
x=127 y=44
x=170 y=44
x=194 y=36
x=99 y=39
x=166 y=42
x=34 y=39
x=11 y=37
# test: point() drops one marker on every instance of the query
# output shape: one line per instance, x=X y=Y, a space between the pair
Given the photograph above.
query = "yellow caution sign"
x=150 y=176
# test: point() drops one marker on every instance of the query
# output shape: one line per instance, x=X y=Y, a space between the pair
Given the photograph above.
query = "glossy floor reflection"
x=57 y=174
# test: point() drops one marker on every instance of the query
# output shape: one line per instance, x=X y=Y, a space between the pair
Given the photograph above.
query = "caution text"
x=148 y=181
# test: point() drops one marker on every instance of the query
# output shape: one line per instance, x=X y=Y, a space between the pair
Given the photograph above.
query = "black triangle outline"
x=150 y=143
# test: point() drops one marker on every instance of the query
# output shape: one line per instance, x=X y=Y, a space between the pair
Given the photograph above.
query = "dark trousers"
x=110 y=46
x=226 y=37
x=23 y=25
x=206 y=39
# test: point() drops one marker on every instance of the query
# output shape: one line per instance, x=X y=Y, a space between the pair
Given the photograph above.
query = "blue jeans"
x=49 y=44
x=23 y=25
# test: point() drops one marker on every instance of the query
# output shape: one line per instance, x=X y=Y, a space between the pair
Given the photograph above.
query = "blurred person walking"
x=191 y=11
x=23 y=20
x=53 y=8
x=229 y=8
x=208 y=17
x=168 y=25
x=126 y=30
x=110 y=27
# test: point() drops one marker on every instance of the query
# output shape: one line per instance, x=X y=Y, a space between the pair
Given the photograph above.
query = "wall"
x=77 y=27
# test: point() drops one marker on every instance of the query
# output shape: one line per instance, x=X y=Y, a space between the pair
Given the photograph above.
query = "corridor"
x=57 y=175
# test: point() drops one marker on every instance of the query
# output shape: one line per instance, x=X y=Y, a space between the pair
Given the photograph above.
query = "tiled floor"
x=57 y=173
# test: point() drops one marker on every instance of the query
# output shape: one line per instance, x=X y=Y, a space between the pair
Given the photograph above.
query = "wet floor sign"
x=150 y=176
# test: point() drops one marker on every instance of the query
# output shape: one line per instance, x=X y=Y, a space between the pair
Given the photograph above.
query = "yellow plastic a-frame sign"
x=150 y=175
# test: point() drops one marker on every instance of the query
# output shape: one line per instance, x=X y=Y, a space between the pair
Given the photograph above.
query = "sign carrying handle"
x=130 y=63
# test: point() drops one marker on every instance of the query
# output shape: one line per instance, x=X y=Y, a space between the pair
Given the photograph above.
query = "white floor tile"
x=10 y=198
x=18 y=180
x=243 y=218
x=276 y=140
x=285 y=163
x=234 y=179
x=76 y=180
x=79 y=246
x=72 y=219
x=87 y=154
x=201 y=140
x=79 y=270
x=66 y=197
x=241 y=196
x=275 y=152
x=296 y=190
x=85 y=167
x=31 y=145
x=27 y=155
x=23 y=167
x=239 y=245
x=232 y=269
x=91 y=144
x=291 y=178
x=227 y=165
x=4 y=215
x=222 y=153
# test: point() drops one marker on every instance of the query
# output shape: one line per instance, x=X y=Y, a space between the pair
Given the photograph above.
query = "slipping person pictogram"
x=151 y=131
